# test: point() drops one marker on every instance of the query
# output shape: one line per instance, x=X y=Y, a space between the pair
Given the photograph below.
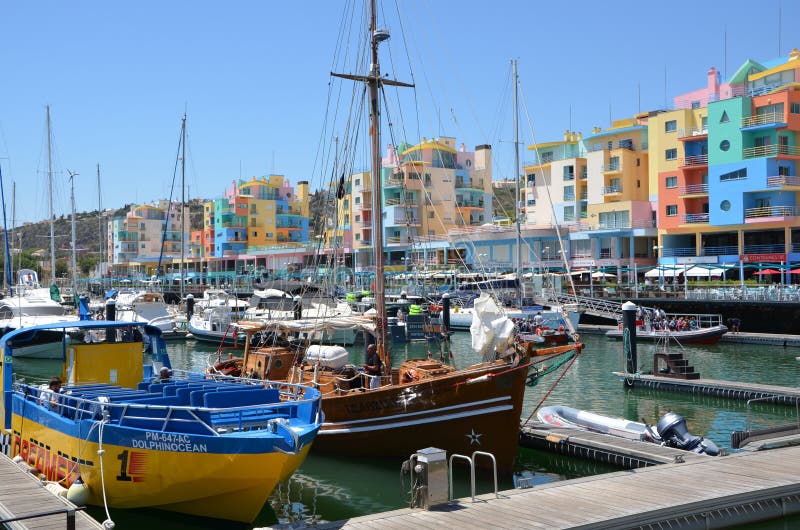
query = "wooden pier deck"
x=712 y=387
x=711 y=492
x=23 y=494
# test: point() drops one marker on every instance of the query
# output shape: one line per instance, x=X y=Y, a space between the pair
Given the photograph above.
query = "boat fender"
x=539 y=331
x=409 y=376
x=619 y=326
x=56 y=489
x=455 y=309
x=78 y=493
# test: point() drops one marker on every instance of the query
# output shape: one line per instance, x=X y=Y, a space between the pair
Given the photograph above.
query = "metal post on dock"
x=446 y=315
x=629 y=338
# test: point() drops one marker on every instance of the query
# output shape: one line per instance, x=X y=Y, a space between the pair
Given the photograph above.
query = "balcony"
x=614 y=145
x=569 y=197
x=692 y=133
x=694 y=161
x=469 y=204
x=398 y=220
x=569 y=176
x=610 y=190
x=783 y=180
x=769 y=213
x=771 y=150
x=694 y=218
x=693 y=189
x=610 y=168
x=770 y=119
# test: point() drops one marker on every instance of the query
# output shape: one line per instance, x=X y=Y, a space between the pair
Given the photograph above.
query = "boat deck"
x=711 y=492
x=22 y=494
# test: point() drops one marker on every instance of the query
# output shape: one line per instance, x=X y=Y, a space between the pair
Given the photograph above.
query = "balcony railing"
x=728 y=250
x=691 y=218
x=610 y=190
x=771 y=150
x=404 y=220
x=469 y=204
x=689 y=132
x=763 y=119
x=773 y=248
x=569 y=197
x=569 y=176
x=783 y=180
x=615 y=145
x=770 y=211
x=693 y=189
x=610 y=168
x=694 y=160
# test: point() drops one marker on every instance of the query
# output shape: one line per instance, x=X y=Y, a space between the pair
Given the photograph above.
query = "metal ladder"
x=471 y=461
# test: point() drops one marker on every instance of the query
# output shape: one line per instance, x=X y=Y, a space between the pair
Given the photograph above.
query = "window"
x=695 y=104
x=357 y=200
x=671 y=154
x=734 y=175
x=255 y=234
x=358 y=237
x=358 y=218
x=468 y=163
x=794 y=108
x=431 y=215
x=724 y=145
x=358 y=182
x=569 y=193
x=670 y=126
x=671 y=182
x=569 y=213
x=724 y=118
x=269 y=234
x=704 y=122
x=725 y=205
x=569 y=172
x=783 y=171
x=672 y=210
x=547 y=157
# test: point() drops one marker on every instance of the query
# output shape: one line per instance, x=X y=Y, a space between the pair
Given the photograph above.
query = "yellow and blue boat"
x=196 y=444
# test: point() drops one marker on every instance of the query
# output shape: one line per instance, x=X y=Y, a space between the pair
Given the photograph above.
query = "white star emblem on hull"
x=474 y=438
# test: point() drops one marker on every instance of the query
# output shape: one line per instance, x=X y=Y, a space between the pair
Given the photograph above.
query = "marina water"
x=328 y=488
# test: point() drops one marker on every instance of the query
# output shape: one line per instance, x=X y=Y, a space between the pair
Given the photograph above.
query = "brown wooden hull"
x=461 y=412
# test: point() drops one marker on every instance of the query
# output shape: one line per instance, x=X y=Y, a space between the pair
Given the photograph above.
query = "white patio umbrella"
x=600 y=274
x=664 y=272
x=700 y=272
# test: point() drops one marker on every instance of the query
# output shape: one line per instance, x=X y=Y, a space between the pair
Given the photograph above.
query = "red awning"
x=768 y=271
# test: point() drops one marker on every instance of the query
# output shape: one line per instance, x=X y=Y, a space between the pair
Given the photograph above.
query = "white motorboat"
x=149 y=307
x=31 y=305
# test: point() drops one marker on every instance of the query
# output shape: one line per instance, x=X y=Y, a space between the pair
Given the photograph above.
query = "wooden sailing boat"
x=423 y=402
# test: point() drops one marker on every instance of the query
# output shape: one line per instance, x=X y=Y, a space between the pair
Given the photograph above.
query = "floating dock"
x=709 y=492
x=742 y=337
x=711 y=387
x=25 y=503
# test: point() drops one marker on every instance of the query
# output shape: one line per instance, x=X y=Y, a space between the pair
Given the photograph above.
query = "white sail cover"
x=490 y=326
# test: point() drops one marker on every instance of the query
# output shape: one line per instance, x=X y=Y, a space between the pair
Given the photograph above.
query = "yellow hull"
x=181 y=475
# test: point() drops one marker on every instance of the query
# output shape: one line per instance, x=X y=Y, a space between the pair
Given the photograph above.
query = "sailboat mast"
x=183 y=200
x=99 y=222
x=74 y=259
x=516 y=180
x=50 y=198
x=377 y=200
x=7 y=276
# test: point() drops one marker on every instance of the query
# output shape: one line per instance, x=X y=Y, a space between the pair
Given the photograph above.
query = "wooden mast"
x=374 y=83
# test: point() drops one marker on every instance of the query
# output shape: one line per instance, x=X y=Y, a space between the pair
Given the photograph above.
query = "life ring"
x=409 y=376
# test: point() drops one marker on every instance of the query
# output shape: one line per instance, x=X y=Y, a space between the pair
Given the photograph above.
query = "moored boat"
x=704 y=329
x=193 y=443
x=670 y=430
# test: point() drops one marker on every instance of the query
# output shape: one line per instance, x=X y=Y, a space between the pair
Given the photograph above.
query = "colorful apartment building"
x=255 y=216
x=726 y=168
x=138 y=236
x=596 y=190
x=428 y=189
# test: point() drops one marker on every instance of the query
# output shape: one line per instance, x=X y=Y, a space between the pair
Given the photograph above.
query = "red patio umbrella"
x=794 y=271
x=767 y=271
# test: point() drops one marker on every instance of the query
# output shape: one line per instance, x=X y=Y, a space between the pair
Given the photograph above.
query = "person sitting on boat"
x=538 y=319
x=49 y=396
x=164 y=375
x=373 y=367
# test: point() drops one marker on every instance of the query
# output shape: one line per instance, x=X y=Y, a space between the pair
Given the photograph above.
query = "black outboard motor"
x=672 y=429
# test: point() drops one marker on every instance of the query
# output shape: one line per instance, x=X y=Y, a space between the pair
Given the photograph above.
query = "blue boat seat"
x=226 y=398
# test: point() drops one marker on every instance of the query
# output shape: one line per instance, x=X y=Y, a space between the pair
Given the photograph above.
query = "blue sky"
x=253 y=78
